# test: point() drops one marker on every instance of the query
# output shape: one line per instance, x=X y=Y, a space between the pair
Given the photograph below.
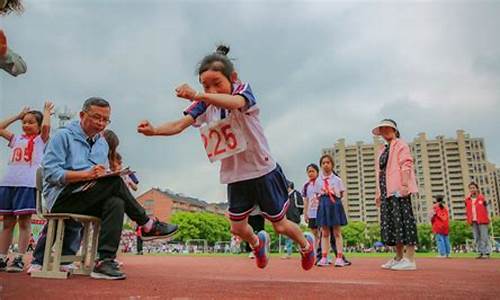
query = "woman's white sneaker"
x=404 y=265
x=388 y=265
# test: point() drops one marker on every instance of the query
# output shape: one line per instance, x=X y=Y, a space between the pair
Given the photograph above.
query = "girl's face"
x=30 y=125
x=326 y=165
x=388 y=133
x=311 y=173
x=214 y=82
x=473 y=189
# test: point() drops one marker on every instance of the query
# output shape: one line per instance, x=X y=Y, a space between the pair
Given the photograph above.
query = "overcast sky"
x=320 y=71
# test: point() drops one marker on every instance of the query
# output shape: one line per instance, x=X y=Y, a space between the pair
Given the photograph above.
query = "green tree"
x=201 y=225
x=127 y=226
x=354 y=233
x=460 y=231
x=425 y=237
x=373 y=234
x=496 y=227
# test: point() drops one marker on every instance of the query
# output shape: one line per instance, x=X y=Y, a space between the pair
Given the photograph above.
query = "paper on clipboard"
x=87 y=185
x=121 y=172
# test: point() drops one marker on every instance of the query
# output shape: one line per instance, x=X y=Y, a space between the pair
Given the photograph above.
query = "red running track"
x=187 y=277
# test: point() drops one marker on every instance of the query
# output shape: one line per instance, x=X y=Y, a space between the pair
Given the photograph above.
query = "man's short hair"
x=94 y=101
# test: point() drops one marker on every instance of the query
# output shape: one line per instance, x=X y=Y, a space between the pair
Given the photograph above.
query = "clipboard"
x=121 y=172
x=88 y=184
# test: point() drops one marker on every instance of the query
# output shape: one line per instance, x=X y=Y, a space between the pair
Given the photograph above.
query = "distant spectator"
x=441 y=226
x=477 y=215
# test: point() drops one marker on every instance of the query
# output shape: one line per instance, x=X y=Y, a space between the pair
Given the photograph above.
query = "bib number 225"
x=222 y=140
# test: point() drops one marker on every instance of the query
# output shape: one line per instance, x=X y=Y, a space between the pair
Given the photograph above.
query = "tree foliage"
x=201 y=225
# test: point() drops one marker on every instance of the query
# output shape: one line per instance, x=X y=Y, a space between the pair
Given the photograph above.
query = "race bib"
x=222 y=139
x=19 y=157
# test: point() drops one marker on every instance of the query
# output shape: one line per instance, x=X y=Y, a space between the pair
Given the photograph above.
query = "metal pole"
x=279 y=243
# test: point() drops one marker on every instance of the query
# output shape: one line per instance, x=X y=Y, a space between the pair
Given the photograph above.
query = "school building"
x=443 y=166
x=164 y=203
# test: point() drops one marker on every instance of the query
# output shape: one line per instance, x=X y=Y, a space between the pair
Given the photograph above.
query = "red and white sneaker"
x=308 y=257
x=262 y=251
x=339 y=262
x=323 y=262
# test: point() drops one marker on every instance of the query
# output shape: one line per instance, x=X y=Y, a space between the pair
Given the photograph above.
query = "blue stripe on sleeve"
x=196 y=109
x=246 y=91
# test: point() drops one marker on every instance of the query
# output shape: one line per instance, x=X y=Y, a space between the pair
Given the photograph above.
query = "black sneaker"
x=347 y=262
x=160 y=230
x=16 y=266
x=3 y=264
x=480 y=256
x=107 y=269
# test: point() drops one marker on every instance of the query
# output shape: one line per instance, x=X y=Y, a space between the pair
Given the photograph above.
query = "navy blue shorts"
x=17 y=200
x=268 y=192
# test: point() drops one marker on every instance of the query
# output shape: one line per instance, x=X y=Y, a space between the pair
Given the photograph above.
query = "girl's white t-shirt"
x=256 y=160
x=309 y=192
x=334 y=182
x=20 y=171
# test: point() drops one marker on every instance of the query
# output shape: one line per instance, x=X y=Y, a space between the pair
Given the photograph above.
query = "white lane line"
x=286 y=280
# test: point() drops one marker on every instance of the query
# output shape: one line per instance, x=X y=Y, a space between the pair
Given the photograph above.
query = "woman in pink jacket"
x=395 y=185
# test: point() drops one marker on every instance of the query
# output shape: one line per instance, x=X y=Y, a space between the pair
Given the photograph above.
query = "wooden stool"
x=55 y=236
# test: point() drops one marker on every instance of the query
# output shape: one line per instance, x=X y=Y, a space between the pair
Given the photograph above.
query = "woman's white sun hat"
x=385 y=123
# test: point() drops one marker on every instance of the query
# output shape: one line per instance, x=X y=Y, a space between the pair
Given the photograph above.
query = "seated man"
x=77 y=154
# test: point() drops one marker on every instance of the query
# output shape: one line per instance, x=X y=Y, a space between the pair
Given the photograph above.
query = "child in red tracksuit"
x=441 y=227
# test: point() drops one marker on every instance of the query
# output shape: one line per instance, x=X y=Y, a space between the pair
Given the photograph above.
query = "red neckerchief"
x=327 y=189
x=28 y=152
x=312 y=181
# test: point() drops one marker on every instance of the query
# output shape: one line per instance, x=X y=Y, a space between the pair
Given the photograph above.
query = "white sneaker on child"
x=339 y=262
x=404 y=265
x=3 y=263
x=68 y=268
x=16 y=266
x=323 y=262
x=64 y=268
x=34 y=268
